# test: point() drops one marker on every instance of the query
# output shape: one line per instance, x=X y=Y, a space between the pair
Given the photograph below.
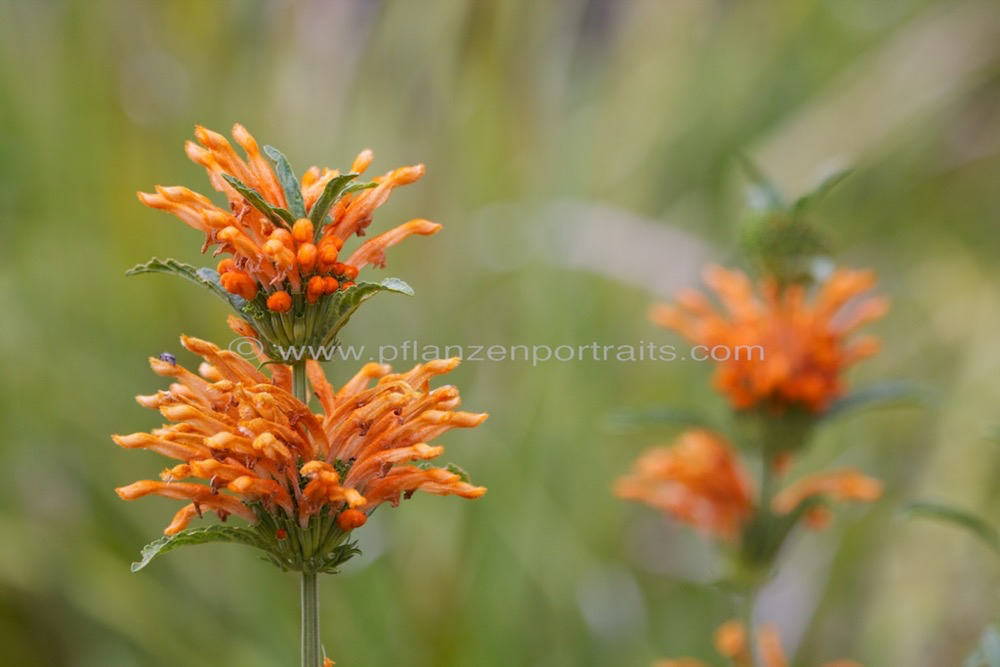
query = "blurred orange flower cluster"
x=782 y=343
x=795 y=349
x=731 y=642
x=700 y=480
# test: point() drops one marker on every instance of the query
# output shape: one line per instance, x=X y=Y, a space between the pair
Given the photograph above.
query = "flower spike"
x=286 y=271
x=251 y=449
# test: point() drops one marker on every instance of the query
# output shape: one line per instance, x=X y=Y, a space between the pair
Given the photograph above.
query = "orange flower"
x=773 y=655
x=781 y=348
x=731 y=642
x=837 y=485
x=254 y=450
x=698 y=480
x=287 y=275
x=270 y=222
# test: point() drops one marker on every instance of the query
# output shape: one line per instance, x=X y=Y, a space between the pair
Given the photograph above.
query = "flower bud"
x=280 y=302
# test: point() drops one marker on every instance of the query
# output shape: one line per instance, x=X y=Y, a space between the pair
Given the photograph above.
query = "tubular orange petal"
x=373 y=251
x=836 y=485
x=771 y=653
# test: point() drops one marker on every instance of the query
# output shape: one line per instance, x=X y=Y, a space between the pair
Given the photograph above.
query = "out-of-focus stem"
x=747 y=602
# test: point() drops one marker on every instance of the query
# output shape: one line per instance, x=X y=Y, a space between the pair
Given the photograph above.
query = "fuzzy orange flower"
x=252 y=449
x=698 y=480
x=731 y=642
x=701 y=481
x=281 y=232
x=845 y=485
x=778 y=348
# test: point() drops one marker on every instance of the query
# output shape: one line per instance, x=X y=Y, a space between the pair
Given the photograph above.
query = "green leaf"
x=396 y=285
x=275 y=214
x=198 y=536
x=358 y=187
x=810 y=199
x=878 y=395
x=763 y=194
x=343 y=553
x=456 y=470
x=624 y=421
x=342 y=467
x=204 y=277
x=765 y=534
x=987 y=653
x=345 y=302
x=289 y=183
x=959 y=517
x=333 y=191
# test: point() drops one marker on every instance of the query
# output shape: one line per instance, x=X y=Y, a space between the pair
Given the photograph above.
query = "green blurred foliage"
x=526 y=113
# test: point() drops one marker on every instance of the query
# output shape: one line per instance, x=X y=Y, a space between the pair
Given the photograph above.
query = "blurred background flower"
x=580 y=155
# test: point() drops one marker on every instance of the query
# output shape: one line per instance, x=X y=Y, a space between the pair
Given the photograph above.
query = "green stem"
x=312 y=650
x=299 y=383
x=767 y=492
x=747 y=602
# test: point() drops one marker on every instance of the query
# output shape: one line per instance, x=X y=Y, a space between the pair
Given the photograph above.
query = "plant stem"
x=312 y=649
x=747 y=603
x=299 y=386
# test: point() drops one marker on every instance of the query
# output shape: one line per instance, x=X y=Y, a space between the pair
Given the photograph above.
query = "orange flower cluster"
x=700 y=481
x=270 y=252
x=731 y=642
x=253 y=449
x=782 y=349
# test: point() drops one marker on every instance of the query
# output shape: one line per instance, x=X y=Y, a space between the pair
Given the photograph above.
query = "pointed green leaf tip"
x=345 y=302
x=335 y=189
x=885 y=394
x=331 y=193
x=781 y=238
x=456 y=470
x=330 y=564
x=976 y=525
x=396 y=285
x=203 y=277
x=807 y=201
x=762 y=194
x=275 y=214
x=198 y=536
x=450 y=467
x=289 y=183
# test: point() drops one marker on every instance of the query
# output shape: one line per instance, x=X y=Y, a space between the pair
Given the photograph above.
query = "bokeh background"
x=581 y=157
